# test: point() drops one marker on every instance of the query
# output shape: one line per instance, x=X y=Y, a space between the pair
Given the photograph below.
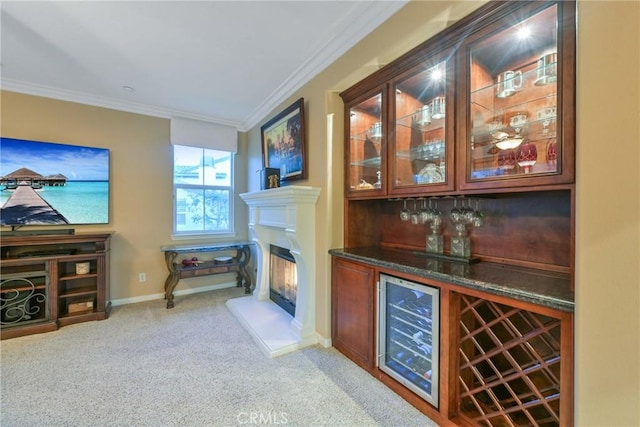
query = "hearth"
x=283 y=279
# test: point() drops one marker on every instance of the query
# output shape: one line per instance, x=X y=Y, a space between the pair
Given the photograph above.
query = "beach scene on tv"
x=44 y=183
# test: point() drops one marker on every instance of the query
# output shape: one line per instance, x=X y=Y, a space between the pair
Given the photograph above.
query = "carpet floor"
x=193 y=365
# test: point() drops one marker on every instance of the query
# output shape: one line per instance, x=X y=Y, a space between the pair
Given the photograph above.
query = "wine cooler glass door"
x=408 y=341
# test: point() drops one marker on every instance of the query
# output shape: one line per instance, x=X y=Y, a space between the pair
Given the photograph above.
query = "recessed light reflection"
x=524 y=32
x=437 y=75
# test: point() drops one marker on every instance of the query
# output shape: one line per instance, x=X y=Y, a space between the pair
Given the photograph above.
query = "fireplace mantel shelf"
x=292 y=195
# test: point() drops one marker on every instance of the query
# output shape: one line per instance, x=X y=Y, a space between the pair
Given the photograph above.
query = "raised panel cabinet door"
x=353 y=311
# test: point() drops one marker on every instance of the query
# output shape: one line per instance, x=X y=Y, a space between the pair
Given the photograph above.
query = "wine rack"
x=509 y=365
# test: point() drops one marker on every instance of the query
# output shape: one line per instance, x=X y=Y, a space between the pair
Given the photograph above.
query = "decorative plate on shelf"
x=430 y=174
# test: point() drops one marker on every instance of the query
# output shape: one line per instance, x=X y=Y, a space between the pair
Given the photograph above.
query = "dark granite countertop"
x=545 y=288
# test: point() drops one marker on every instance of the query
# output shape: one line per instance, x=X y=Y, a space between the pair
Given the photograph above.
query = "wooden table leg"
x=172 y=279
x=244 y=255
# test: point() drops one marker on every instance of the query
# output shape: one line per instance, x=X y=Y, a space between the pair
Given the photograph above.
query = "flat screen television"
x=45 y=183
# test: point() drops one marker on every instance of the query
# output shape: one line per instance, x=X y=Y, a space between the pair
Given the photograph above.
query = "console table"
x=177 y=270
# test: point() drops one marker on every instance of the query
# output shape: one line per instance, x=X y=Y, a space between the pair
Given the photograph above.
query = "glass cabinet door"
x=421 y=152
x=365 y=152
x=515 y=110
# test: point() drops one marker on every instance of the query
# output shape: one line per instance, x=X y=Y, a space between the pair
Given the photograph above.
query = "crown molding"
x=12 y=85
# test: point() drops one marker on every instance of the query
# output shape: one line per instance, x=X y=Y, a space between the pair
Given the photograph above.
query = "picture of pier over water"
x=44 y=183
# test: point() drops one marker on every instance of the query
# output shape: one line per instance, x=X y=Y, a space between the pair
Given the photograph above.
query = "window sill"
x=210 y=236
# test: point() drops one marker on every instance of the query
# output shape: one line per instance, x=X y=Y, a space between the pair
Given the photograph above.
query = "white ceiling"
x=229 y=62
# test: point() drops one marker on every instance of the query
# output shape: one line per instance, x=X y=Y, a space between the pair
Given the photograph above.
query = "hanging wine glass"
x=436 y=214
x=415 y=214
x=425 y=212
x=467 y=212
x=405 y=213
x=478 y=216
x=433 y=209
x=435 y=242
x=455 y=213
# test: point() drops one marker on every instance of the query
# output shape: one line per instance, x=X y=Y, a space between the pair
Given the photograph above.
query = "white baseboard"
x=151 y=297
x=325 y=342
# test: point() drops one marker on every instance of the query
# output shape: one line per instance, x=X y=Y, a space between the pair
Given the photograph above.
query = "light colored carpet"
x=193 y=365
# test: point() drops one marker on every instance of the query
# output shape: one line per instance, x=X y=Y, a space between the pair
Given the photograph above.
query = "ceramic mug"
x=508 y=83
x=424 y=115
x=547 y=69
x=438 y=107
x=376 y=130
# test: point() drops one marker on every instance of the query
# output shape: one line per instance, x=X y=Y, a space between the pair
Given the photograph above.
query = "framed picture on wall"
x=284 y=142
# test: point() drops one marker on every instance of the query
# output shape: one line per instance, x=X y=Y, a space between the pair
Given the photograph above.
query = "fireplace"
x=283 y=279
x=282 y=217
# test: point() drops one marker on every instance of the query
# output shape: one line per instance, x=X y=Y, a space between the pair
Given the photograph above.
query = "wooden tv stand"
x=177 y=270
x=51 y=280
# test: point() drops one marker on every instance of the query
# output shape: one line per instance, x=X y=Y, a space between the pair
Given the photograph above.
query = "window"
x=202 y=191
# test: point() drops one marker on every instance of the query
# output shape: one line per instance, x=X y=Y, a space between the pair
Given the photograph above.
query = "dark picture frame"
x=284 y=143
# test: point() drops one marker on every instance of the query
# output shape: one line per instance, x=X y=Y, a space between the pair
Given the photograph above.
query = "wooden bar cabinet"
x=475 y=127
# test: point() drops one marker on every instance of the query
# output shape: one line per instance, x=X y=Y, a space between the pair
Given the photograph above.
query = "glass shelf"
x=520 y=104
x=364 y=136
x=536 y=77
x=374 y=162
x=430 y=151
x=410 y=121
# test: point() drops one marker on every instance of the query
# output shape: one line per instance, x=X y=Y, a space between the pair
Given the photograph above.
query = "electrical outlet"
x=142 y=277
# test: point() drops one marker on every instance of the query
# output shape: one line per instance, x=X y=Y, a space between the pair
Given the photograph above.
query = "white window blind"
x=197 y=133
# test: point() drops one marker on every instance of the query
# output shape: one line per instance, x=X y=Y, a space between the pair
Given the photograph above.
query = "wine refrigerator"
x=408 y=335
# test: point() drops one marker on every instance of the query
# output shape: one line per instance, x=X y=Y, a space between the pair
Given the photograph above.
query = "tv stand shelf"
x=41 y=288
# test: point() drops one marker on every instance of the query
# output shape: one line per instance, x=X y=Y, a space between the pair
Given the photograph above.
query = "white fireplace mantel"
x=284 y=217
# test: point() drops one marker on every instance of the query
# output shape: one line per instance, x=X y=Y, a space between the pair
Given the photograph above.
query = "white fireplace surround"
x=284 y=217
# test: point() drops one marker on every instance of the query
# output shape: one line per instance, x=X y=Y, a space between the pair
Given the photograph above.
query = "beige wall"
x=141 y=182
x=608 y=256
x=608 y=245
